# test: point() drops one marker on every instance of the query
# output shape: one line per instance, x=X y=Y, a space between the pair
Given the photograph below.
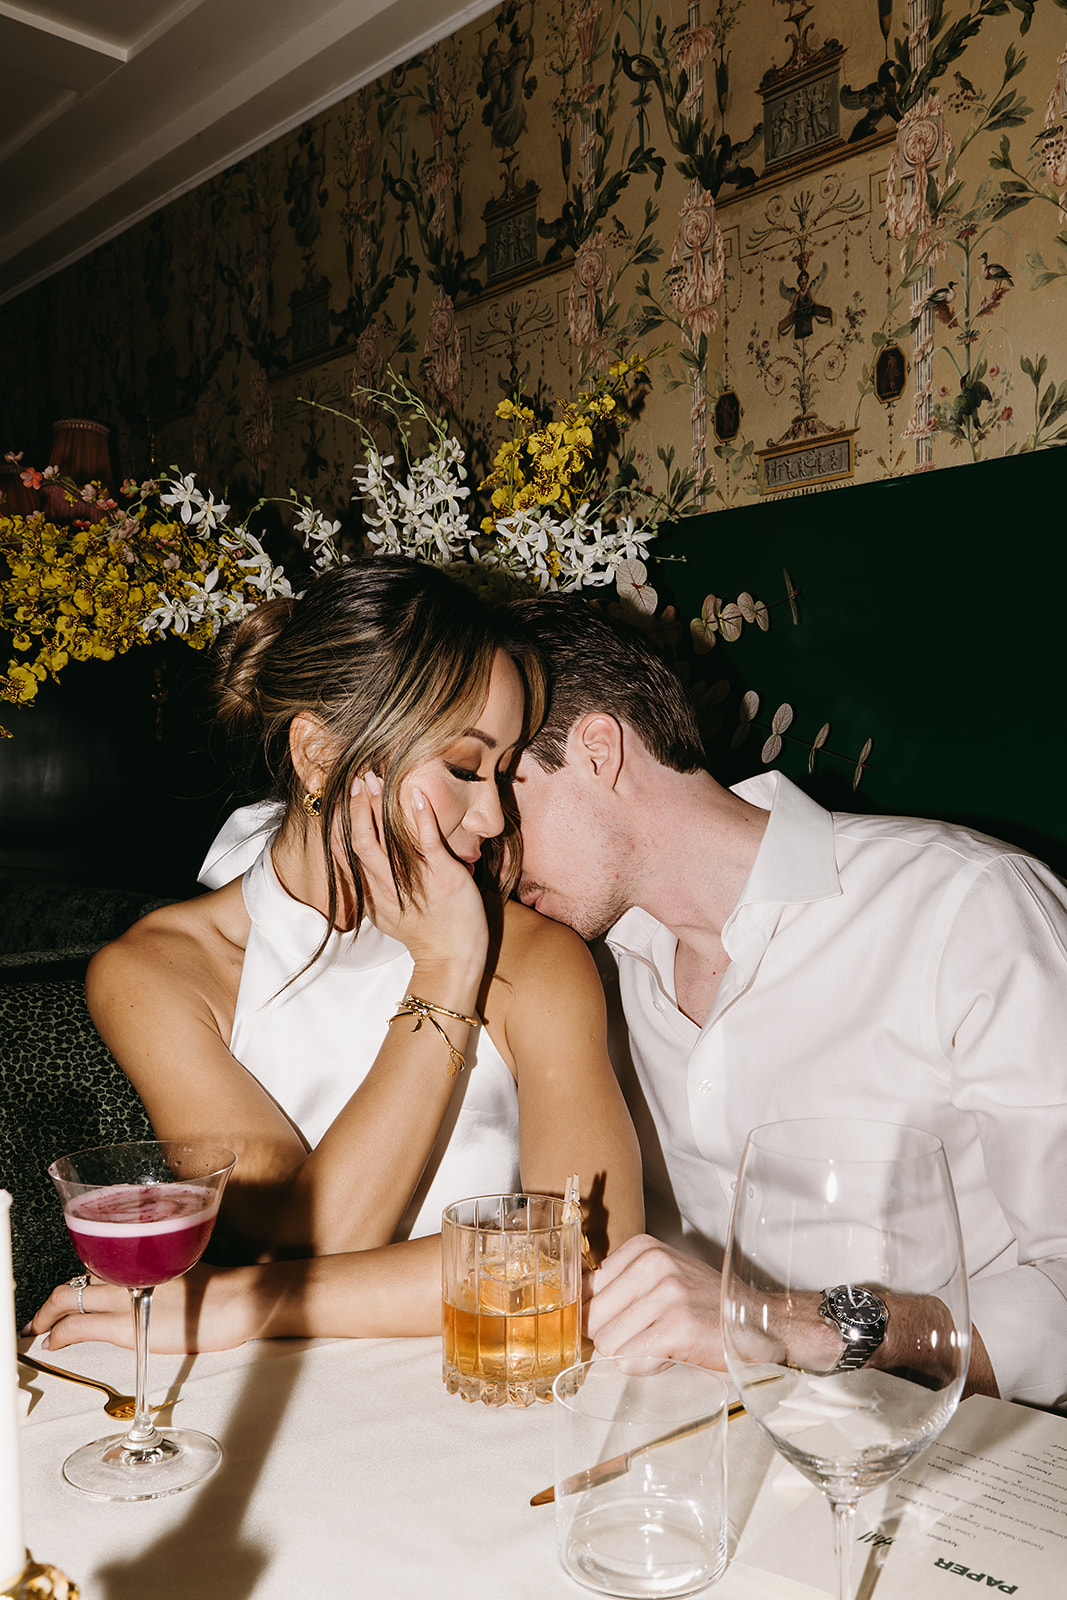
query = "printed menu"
x=984 y=1510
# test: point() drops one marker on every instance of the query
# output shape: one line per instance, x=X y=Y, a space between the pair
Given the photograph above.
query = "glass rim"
x=660 y=1365
x=920 y=1145
x=517 y=1194
x=133 y=1145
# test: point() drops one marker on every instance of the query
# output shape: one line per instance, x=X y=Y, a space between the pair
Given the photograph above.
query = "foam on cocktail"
x=138 y=1235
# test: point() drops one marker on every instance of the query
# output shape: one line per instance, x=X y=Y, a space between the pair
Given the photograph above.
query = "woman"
x=321 y=1014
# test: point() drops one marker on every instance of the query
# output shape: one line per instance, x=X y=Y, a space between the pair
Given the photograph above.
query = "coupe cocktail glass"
x=141 y=1214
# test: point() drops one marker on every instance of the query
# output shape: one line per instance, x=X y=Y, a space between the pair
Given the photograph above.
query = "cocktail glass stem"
x=143 y=1436
x=844 y=1527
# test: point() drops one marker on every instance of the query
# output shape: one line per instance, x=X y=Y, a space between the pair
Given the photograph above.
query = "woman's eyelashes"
x=503 y=774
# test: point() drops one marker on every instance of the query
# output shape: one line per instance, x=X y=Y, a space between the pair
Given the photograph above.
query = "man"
x=778 y=961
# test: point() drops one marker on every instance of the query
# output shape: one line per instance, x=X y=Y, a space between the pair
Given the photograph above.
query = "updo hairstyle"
x=394 y=658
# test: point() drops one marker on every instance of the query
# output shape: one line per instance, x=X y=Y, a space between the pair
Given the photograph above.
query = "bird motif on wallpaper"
x=965 y=86
x=1046 y=135
x=993 y=272
x=1000 y=281
x=940 y=302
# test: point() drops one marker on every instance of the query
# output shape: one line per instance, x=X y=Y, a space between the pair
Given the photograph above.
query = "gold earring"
x=312 y=802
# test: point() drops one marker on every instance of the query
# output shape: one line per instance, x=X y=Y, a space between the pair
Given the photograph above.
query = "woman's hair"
x=393 y=657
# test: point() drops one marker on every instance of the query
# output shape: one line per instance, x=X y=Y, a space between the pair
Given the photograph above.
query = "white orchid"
x=184 y=496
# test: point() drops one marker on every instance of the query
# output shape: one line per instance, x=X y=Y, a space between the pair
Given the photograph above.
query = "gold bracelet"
x=412 y=1006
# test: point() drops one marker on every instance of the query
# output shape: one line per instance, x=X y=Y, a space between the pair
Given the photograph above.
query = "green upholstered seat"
x=60 y=1090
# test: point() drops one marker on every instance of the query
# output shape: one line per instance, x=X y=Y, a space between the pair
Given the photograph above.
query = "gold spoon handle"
x=71 y=1377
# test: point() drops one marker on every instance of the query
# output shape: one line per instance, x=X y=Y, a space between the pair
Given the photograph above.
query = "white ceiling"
x=112 y=107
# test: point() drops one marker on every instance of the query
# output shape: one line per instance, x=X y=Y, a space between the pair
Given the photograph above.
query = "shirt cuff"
x=1021 y=1315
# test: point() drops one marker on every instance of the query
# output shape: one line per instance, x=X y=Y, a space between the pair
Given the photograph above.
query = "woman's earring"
x=312 y=802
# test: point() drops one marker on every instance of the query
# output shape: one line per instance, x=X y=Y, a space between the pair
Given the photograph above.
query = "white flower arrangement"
x=545 y=529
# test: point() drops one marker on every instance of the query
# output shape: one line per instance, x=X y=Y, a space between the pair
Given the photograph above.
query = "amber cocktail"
x=512 y=1278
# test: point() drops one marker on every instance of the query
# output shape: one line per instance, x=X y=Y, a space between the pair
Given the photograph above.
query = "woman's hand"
x=204 y=1310
x=446 y=919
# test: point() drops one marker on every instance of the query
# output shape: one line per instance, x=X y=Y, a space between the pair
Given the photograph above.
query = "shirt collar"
x=795 y=863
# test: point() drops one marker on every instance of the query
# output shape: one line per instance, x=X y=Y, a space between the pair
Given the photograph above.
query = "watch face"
x=855 y=1307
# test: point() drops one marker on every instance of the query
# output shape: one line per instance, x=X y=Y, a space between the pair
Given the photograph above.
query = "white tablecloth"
x=348 y=1471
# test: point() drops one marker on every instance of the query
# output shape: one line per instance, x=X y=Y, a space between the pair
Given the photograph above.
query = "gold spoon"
x=120 y=1406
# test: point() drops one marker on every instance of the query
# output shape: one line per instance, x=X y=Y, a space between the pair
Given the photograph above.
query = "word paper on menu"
x=982 y=1511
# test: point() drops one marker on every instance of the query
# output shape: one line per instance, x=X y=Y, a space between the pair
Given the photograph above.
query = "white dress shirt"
x=892 y=968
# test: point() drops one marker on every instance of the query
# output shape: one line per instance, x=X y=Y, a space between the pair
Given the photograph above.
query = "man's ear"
x=597 y=746
x=311 y=749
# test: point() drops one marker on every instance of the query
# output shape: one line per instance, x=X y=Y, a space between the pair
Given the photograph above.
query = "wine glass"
x=866 y=1209
x=140 y=1214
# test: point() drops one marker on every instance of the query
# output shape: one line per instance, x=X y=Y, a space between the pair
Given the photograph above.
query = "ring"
x=80 y=1283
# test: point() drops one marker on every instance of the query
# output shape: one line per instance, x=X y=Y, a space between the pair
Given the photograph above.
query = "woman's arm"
x=163 y=998
x=545 y=1011
x=391 y=1292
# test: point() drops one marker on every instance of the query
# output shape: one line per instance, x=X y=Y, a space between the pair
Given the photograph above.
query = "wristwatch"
x=860 y=1318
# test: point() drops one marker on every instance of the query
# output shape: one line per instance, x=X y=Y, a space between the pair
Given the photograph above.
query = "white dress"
x=310 y=1037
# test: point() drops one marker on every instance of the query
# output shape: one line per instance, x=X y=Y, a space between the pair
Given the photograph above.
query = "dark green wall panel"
x=932 y=621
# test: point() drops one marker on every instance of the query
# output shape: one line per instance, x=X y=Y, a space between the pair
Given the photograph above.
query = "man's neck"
x=706 y=841
x=702 y=844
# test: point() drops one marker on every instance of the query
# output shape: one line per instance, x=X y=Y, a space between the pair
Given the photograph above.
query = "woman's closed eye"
x=464 y=774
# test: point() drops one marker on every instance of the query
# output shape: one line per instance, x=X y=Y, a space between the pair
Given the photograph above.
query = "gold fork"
x=120 y=1406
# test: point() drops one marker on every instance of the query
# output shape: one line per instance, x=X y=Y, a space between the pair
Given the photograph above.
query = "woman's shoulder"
x=544 y=980
x=186 y=942
x=534 y=949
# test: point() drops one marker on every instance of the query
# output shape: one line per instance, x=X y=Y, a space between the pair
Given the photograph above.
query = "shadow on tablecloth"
x=207 y=1556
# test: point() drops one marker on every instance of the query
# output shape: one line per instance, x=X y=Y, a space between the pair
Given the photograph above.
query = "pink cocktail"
x=138 y=1235
x=141 y=1214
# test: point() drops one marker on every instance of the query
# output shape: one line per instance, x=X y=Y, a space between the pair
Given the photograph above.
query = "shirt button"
x=657 y=1004
x=705 y=1086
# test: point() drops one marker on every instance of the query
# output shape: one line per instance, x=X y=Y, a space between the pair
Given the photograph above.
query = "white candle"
x=12 y=1547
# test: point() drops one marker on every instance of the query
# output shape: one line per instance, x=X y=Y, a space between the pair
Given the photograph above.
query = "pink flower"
x=31 y=478
x=1006 y=414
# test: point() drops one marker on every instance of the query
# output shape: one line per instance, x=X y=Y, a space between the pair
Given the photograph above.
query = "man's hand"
x=651 y=1300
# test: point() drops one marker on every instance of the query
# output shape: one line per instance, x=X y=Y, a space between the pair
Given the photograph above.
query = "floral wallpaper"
x=838 y=228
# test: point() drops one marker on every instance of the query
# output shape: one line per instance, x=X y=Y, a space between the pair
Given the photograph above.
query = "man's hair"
x=594 y=663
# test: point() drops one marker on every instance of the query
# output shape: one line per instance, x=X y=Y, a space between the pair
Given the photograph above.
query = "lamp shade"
x=80 y=451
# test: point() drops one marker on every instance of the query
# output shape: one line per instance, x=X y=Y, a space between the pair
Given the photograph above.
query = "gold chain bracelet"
x=413 y=1006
